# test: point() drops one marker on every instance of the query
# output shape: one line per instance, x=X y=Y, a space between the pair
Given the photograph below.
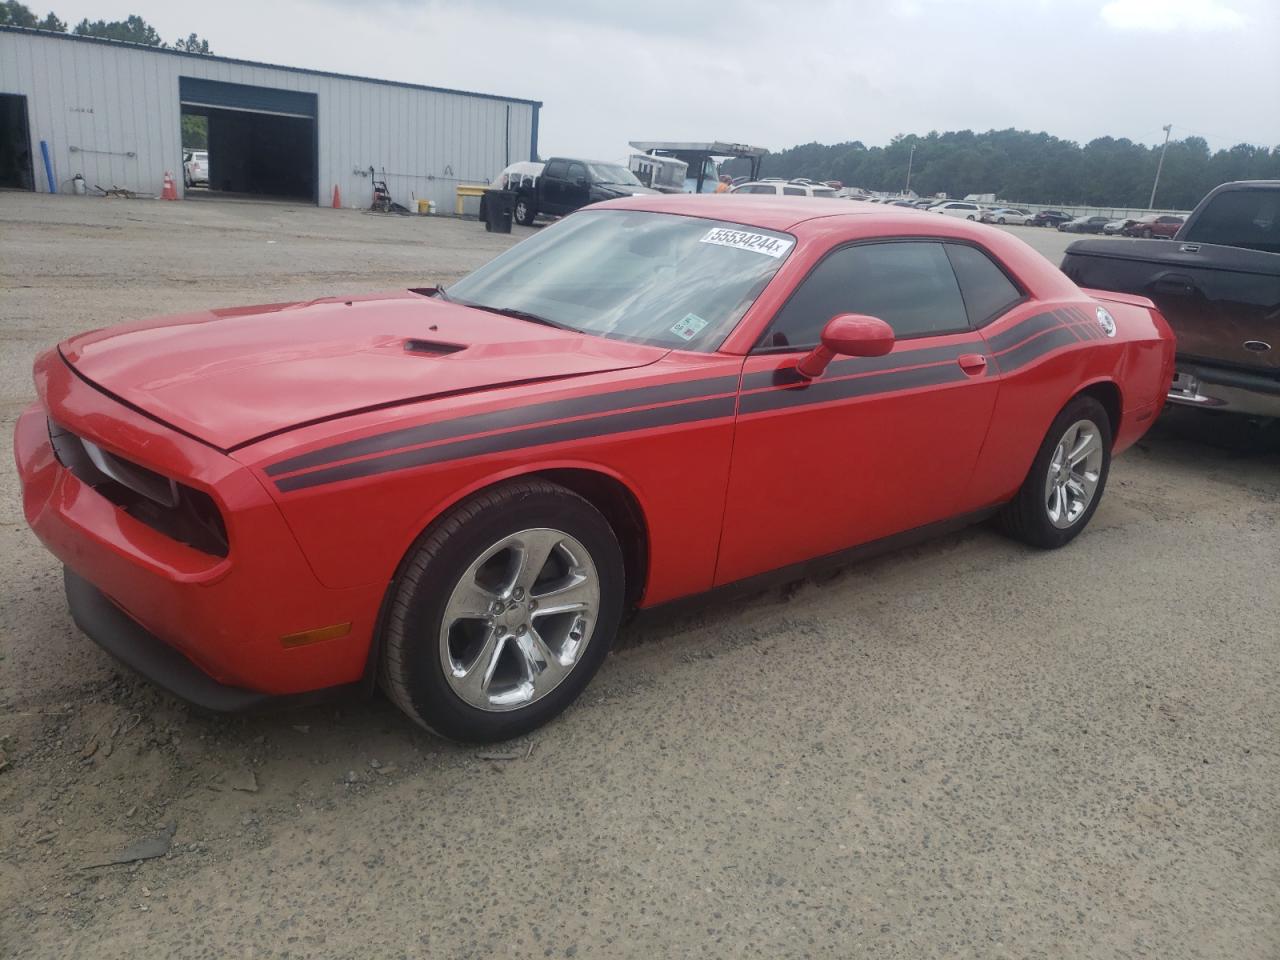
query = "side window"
x=909 y=285
x=555 y=170
x=763 y=188
x=987 y=291
x=793 y=191
x=576 y=172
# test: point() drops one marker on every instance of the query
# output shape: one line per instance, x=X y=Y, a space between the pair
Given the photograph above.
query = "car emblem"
x=1107 y=322
x=1257 y=346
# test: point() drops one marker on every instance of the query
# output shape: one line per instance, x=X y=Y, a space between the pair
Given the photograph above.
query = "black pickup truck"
x=1218 y=285
x=566 y=184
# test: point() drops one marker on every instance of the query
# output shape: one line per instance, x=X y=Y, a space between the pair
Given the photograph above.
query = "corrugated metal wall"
x=112 y=113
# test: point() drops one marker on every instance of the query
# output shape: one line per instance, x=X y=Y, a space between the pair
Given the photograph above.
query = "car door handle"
x=972 y=363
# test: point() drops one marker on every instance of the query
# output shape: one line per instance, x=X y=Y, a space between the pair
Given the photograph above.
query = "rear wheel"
x=969 y=217
x=525 y=212
x=1067 y=478
x=503 y=612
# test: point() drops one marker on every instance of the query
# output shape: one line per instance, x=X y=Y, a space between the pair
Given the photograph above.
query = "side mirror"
x=581 y=181
x=849 y=335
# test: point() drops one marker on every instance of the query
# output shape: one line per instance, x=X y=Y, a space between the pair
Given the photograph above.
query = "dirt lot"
x=964 y=750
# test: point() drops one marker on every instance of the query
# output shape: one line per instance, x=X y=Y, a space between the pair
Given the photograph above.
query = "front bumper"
x=235 y=619
x=129 y=642
x=1232 y=391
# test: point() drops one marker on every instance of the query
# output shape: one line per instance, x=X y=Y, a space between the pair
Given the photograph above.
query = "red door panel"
x=873 y=447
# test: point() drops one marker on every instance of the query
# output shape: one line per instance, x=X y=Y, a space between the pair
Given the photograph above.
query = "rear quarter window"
x=987 y=290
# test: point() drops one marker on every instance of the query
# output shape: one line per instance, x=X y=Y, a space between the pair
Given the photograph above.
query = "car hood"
x=229 y=377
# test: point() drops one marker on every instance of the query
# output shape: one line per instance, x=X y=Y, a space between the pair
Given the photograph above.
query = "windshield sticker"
x=742 y=240
x=688 y=326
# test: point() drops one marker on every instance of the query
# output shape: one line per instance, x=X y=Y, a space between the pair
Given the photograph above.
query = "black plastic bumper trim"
x=146 y=654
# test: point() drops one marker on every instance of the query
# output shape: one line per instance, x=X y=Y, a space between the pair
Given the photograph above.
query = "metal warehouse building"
x=112 y=112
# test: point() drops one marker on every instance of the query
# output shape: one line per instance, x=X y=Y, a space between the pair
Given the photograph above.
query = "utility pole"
x=910 y=157
x=1151 y=204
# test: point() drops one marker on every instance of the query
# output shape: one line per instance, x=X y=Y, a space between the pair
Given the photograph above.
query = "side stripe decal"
x=518 y=416
x=677 y=413
x=687 y=401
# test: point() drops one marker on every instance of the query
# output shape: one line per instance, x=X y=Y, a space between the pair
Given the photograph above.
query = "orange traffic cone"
x=337 y=198
x=170 y=191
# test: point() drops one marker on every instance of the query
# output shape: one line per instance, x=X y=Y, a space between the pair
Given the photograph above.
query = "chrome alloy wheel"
x=1074 y=471
x=519 y=619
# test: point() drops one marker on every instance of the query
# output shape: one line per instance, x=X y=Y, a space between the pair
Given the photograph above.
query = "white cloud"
x=1166 y=15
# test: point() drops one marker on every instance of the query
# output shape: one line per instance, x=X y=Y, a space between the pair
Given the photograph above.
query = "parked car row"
x=778 y=187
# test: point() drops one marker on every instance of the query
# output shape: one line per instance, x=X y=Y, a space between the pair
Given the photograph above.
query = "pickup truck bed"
x=1222 y=300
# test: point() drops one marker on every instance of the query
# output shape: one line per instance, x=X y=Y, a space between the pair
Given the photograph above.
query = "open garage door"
x=16 y=165
x=261 y=140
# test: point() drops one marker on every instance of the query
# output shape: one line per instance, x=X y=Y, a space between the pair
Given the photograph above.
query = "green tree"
x=1019 y=165
x=132 y=29
x=192 y=44
x=195 y=132
x=14 y=14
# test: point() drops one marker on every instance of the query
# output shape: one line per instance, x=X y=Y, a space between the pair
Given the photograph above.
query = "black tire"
x=411 y=673
x=1146 y=234
x=970 y=217
x=1001 y=221
x=1026 y=516
x=525 y=211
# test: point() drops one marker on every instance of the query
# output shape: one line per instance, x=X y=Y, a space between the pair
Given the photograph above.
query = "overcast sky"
x=780 y=73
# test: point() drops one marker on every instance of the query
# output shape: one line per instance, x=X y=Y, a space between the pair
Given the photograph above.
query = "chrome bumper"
x=1227 y=390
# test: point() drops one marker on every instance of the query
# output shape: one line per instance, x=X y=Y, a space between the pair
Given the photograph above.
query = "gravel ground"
x=968 y=749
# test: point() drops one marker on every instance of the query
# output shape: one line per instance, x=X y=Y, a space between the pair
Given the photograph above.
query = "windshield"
x=612 y=173
x=653 y=278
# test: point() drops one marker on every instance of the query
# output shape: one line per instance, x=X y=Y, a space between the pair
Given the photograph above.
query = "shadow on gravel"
x=1183 y=431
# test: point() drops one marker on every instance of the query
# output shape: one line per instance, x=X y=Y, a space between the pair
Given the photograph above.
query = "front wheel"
x=502 y=612
x=1067 y=478
x=525 y=212
x=969 y=217
x=1001 y=221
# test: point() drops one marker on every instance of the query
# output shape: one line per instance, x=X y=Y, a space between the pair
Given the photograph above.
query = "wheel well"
x=620 y=507
x=1107 y=394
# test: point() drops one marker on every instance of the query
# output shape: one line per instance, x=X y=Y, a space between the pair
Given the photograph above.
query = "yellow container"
x=424 y=207
x=468 y=190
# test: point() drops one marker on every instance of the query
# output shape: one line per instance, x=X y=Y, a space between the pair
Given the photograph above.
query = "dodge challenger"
x=458 y=494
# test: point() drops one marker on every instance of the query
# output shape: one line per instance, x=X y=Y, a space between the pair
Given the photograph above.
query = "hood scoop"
x=431 y=348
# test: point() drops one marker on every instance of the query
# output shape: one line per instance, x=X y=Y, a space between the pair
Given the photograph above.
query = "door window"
x=576 y=172
x=793 y=191
x=987 y=291
x=908 y=284
x=555 y=170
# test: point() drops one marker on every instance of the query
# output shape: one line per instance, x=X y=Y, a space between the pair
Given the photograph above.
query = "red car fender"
x=442 y=506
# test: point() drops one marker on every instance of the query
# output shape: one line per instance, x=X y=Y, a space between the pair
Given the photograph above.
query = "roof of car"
x=760 y=210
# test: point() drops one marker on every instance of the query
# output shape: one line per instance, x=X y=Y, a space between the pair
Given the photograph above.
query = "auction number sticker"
x=743 y=240
x=688 y=326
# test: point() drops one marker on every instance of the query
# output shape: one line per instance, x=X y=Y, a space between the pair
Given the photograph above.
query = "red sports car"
x=458 y=494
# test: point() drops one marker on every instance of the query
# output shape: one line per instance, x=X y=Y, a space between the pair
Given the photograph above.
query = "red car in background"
x=1161 y=225
x=458 y=494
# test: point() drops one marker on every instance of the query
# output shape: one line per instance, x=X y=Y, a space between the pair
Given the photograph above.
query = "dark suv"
x=566 y=184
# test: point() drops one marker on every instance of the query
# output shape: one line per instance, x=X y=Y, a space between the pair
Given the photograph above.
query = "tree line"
x=1021 y=166
x=132 y=29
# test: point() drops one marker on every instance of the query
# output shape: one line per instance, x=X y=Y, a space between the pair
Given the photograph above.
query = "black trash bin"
x=498 y=206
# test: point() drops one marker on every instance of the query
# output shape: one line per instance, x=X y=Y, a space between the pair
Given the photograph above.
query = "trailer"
x=703 y=159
